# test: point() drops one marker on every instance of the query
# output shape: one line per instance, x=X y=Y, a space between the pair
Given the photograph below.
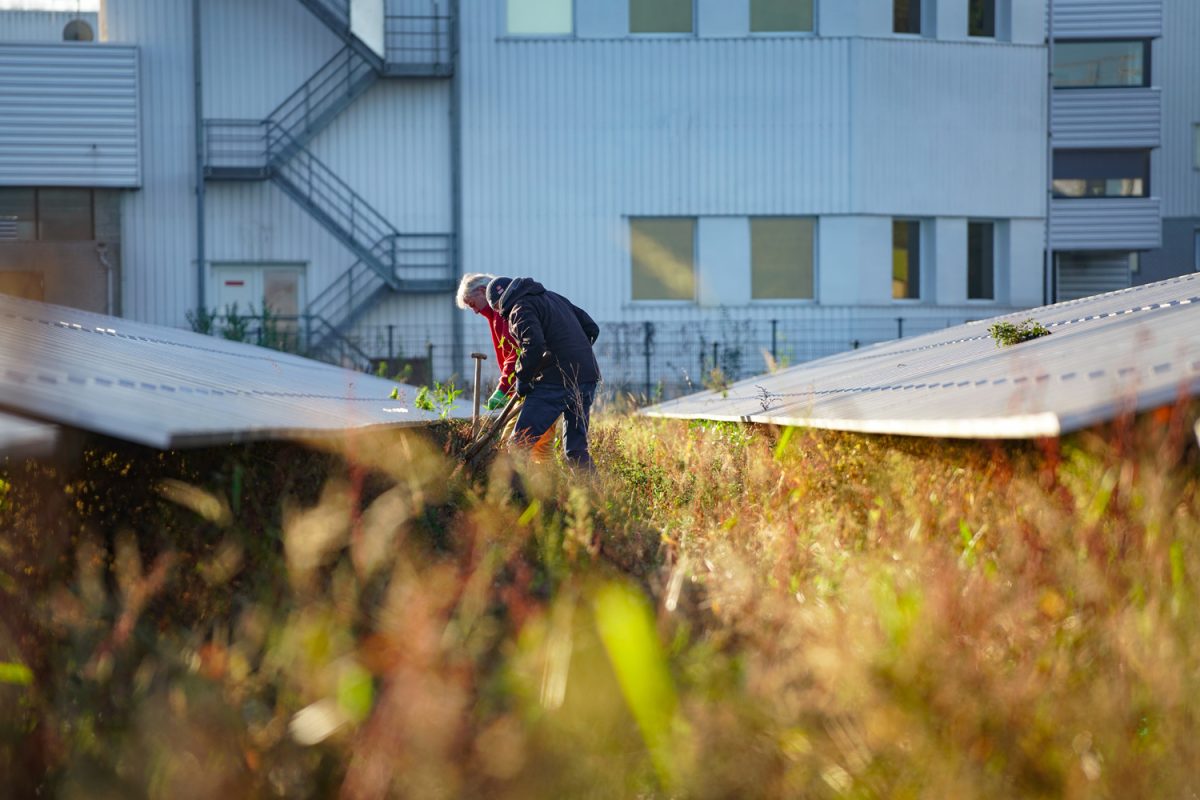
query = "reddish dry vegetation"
x=721 y=611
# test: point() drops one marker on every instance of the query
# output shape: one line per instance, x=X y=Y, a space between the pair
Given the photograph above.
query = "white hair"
x=471 y=282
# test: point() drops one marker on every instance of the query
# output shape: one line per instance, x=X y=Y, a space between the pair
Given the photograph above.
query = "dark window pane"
x=906 y=259
x=781 y=258
x=981 y=261
x=662 y=252
x=1101 y=173
x=768 y=16
x=906 y=16
x=1098 y=64
x=65 y=215
x=17 y=214
x=660 y=16
x=982 y=18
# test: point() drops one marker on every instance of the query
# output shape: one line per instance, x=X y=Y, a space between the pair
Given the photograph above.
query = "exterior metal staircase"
x=275 y=149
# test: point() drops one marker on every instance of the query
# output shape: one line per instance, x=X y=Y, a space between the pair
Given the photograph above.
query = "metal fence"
x=656 y=360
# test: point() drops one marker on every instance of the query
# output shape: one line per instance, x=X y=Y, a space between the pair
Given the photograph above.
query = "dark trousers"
x=542 y=406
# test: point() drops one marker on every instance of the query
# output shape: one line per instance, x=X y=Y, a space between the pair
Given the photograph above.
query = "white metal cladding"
x=564 y=139
x=158 y=222
x=1108 y=118
x=165 y=387
x=1108 y=19
x=20 y=437
x=1108 y=223
x=69 y=115
x=1176 y=67
x=925 y=114
x=1133 y=349
x=256 y=54
x=41 y=26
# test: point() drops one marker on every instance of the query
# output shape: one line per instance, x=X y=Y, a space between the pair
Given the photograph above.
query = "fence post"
x=391 y=352
x=429 y=359
x=774 y=326
x=899 y=327
x=716 y=363
x=703 y=347
x=647 y=339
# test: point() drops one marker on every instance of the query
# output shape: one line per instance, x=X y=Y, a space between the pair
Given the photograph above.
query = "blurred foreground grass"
x=721 y=611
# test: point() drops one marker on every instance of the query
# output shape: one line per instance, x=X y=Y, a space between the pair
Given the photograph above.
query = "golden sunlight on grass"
x=721 y=611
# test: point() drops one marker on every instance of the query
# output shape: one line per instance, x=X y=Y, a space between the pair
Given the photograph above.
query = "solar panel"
x=1132 y=349
x=168 y=388
x=22 y=437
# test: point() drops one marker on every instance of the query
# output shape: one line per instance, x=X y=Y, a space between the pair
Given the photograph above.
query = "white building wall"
x=158 y=222
x=1175 y=176
x=42 y=26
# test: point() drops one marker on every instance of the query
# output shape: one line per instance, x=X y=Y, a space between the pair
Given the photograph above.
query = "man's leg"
x=578 y=417
x=538 y=412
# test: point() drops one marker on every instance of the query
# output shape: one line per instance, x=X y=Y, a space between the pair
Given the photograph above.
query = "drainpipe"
x=107 y=268
x=198 y=102
x=1048 y=260
x=456 y=349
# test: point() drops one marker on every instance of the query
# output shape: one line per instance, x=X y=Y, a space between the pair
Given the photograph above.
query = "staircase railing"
x=419 y=43
x=333 y=87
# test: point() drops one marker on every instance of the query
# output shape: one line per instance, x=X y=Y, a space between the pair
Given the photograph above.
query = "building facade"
x=721 y=183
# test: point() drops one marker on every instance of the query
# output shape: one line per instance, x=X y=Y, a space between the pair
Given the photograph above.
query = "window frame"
x=666 y=301
x=778 y=301
x=921 y=18
x=995 y=262
x=573 y=34
x=1147 y=190
x=995 y=34
x=921 y=226
x=1147 y=63
x=768 y=34
x=692 y=34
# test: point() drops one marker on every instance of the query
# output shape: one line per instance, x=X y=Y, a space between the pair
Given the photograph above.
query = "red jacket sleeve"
x=506 y=349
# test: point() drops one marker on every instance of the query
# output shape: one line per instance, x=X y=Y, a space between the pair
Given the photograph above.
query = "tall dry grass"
x=720 y=611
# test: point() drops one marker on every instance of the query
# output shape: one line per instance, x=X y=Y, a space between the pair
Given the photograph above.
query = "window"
x=906 y=16
x=52 y=215
x=906 y=259
x=981 y=261
x=1101 y=64
x=660 y=16
x=1101 y=173
x=780 y=16
x=540 y=17
x=781 y=258
x=981 y=18
x=663 y=258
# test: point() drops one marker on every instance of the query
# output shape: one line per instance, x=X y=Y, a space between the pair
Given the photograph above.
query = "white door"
x=255 y=287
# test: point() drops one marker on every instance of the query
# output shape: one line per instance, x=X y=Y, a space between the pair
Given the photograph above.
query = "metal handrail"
x=341 y=77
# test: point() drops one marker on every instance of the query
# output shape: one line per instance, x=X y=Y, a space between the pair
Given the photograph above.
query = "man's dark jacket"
x=546 y=321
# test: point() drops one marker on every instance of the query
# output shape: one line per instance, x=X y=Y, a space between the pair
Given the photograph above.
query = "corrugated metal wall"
x=41 y=26
x=158 y=222
x=1107 y=223
x=1112 y=118
x=564 y=139
x=948 y=128
x=1176 y=68
x=1108 y=19
x=68 y=115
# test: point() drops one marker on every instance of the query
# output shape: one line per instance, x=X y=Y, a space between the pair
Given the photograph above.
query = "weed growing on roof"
x=1007 y=334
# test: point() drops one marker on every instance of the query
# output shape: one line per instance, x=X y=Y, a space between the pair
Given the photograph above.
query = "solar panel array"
x=1132 y=349
x=168 y=388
